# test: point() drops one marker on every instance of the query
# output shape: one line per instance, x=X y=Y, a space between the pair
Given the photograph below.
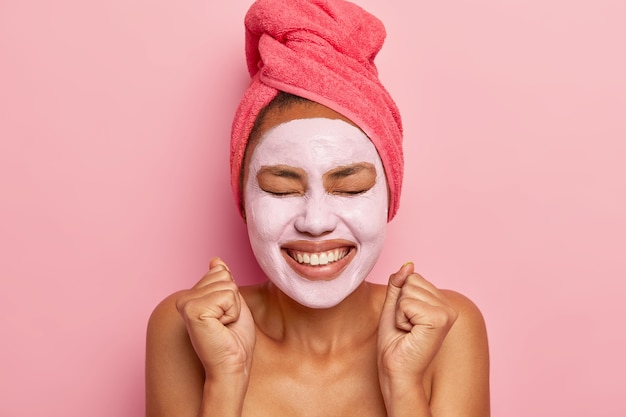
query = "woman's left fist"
x=415 y=320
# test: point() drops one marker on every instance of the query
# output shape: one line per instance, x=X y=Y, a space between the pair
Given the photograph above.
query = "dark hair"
x=280 y=102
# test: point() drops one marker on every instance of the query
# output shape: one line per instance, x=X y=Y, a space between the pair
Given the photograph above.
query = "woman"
x=316 y=180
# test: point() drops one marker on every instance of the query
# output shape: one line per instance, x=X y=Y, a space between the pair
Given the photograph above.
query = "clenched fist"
x=219 y=323
x=414 y=321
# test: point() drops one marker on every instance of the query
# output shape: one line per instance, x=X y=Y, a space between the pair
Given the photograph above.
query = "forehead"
x=314 y=144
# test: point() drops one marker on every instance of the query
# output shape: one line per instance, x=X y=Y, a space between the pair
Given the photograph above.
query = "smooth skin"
x=405 y=349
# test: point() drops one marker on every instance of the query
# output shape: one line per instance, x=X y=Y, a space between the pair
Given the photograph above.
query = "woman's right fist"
x=219 y=322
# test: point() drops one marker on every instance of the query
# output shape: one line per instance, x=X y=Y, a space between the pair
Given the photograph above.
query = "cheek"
x=366 y=216
x=267 y=217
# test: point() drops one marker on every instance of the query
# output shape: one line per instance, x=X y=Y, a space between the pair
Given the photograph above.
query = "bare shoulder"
x=174 y=374
x=470 y=315
x=462 y=365
x=469 y=332
x=167 y=334
x=165 y=315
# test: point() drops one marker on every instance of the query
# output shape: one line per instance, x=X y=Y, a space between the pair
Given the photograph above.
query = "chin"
x=320 y=294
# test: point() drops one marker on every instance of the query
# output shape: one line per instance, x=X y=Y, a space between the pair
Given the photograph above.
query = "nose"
x=317 y=217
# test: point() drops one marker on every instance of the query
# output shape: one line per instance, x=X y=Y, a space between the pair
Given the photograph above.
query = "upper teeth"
x=319 y=258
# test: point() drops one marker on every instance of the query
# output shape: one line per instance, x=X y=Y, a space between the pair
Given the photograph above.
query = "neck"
x=322 y=331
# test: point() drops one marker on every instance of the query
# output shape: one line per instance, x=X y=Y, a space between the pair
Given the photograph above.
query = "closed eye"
x=282 y=193
x=282 y=180
x=350 y=180
x=350 y=192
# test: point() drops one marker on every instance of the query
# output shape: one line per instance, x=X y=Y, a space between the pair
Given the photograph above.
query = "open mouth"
x=318 y=258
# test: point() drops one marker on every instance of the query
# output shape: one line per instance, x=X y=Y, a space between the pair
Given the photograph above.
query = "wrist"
x=223 y=395
x=404 y=396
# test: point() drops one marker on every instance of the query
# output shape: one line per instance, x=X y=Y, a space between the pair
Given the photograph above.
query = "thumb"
x=396 y=281
x=217 y=261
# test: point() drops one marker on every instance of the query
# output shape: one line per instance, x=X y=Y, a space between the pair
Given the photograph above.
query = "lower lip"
x=326 y=272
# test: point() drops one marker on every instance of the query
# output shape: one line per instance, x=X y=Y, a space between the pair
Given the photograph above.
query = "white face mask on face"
x=316 y=208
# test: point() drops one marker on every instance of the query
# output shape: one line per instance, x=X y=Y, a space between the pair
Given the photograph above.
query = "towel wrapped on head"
x=322 y=50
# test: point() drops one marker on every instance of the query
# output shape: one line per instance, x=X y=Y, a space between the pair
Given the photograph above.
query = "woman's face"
x=315 y=201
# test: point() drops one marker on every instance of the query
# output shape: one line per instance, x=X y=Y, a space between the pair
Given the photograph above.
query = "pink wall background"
x=114 y=123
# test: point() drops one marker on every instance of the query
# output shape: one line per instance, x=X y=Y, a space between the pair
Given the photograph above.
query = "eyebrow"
x=346 y=171
x=283 y=171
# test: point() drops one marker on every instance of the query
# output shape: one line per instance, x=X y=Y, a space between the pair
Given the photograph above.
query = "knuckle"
x=188 y=308
x=414 y=283
x=453 y=313
x=213 y=276
x=415 y=279
x=182 y=300
x=220 y=272
x=441 y=318
x=208 y=305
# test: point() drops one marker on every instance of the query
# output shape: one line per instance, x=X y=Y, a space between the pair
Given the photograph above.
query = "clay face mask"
x=316 y=208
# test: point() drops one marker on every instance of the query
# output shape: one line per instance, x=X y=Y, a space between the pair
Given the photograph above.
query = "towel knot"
x=340 y=28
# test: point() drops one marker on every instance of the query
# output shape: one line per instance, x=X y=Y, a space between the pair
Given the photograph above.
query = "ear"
x=243 y=215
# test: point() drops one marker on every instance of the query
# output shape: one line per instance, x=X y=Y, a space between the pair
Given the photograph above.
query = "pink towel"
x=322 y=50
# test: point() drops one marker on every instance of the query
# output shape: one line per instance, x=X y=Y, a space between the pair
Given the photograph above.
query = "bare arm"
x=424 y=330
x=174 y=374
x=198 y=350
x=461 y=368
